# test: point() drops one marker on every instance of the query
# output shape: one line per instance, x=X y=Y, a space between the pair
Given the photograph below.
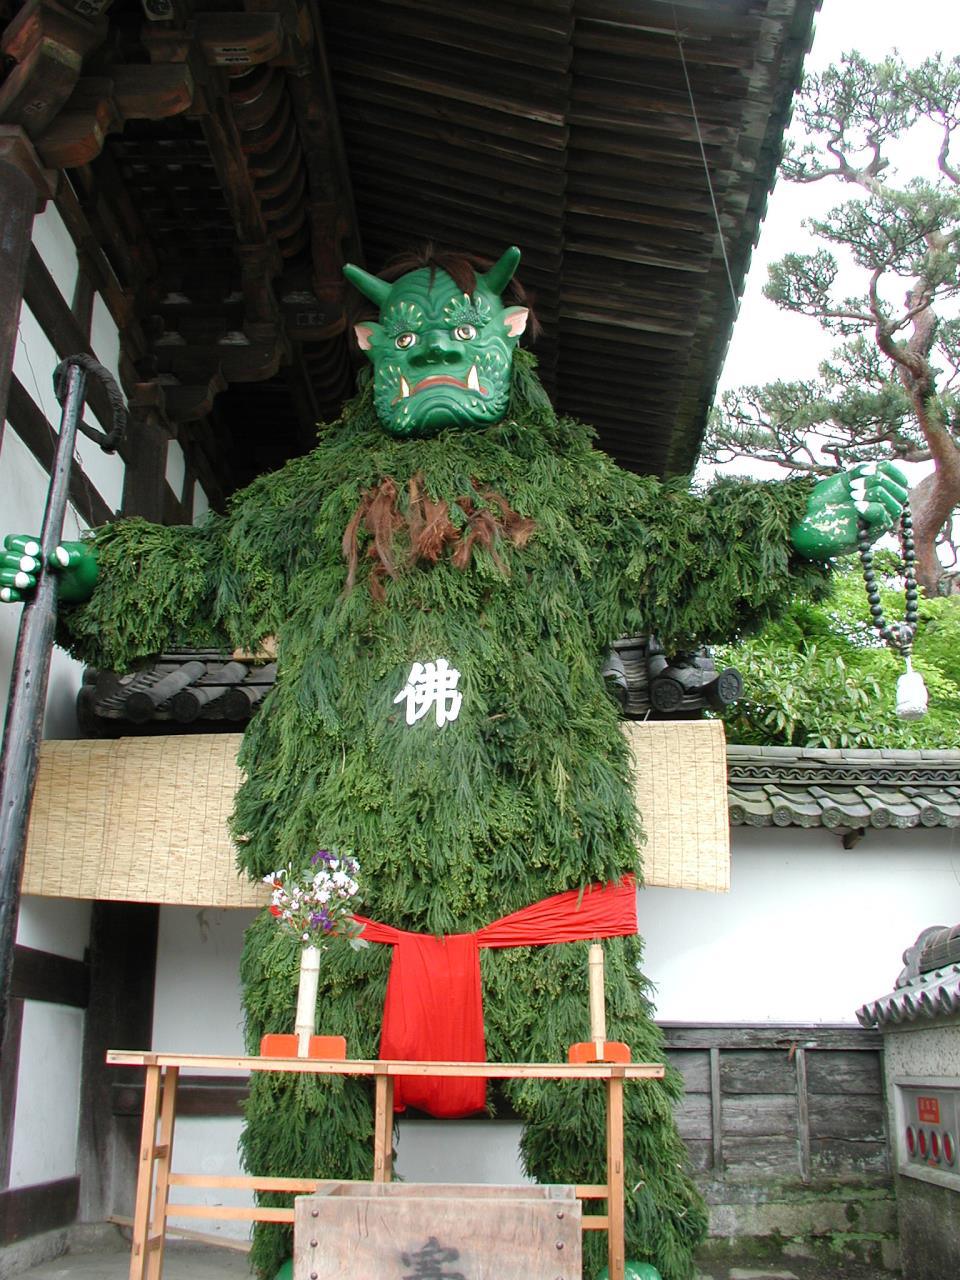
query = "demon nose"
x=436 y=348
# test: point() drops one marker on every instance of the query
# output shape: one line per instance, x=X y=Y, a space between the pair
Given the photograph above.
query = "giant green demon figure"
x=443 y=574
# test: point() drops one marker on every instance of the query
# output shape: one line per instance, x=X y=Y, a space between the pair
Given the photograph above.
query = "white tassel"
x=911 y=694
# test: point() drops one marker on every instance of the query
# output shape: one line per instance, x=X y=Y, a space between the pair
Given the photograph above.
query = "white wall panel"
x=58 y=925
x=48 y=1095
x=34 y=360
x=55 y=245
x=197 y=1003
x=809 y=931
x=201 y=503
x=176 y=468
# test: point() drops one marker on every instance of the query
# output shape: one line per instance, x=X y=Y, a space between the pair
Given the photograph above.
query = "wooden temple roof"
x=221 y=159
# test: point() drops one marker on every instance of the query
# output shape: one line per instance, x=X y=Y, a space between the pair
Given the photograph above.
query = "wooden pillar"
x=24 y=188
x=123 y=961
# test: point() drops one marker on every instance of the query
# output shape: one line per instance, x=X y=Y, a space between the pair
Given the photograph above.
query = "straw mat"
x=145 y=819
x=680 y=784
x=138 y=820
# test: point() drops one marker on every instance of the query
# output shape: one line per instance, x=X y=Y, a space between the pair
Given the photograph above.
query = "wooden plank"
x=694 y=1116
x=848 y=1156
x=53 y=979
x=803 y=1113
x=844 y=1072
x=716 y=1109
x=246 y=1182
x=30 y=1211
x=757 y=1072
x=350 y=1189
x=122 y=956
x=694 y=1066
x=9 y=1069
x=756 y=1159
x=484 y=1237
x=684 y=1035
x=393 y=1067
x=233 y=1213
x=616 y=1256
x=854 y=1116
x=144 y=1199
x=755 y=1115
x=164 y=1154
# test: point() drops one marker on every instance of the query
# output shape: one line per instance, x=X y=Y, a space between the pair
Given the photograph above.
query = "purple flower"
x=322 y=855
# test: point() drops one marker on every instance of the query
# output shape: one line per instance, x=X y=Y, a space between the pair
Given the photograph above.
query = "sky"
x=768 y=343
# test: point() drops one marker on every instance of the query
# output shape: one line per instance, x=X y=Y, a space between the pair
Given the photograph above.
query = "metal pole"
x=23 y=728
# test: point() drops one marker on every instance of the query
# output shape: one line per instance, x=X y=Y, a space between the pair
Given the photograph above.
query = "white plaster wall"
x=48 y=1094
x=59 y=925
x=808 y=932
x=197 y=1002
x=52 y=241
x=176 y=468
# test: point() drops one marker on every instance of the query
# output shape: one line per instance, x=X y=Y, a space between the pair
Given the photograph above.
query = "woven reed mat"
x=680 y=784
x=145 y=819
x=138 y=820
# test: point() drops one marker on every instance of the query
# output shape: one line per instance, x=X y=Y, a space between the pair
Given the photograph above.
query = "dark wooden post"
x=24 y=188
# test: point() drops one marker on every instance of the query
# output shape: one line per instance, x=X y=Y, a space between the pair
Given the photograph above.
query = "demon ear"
x=515 y=320
x=369 y=336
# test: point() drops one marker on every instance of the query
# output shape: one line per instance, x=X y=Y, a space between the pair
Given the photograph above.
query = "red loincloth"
x=434 y=1009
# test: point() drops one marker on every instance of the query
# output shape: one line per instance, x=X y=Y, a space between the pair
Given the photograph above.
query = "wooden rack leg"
x=161 y=1196
x=145 y=1174
x=616 y=1258
x=383 y=1129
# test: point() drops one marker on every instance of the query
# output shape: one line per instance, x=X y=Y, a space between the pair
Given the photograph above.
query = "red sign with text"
x=928 y=1110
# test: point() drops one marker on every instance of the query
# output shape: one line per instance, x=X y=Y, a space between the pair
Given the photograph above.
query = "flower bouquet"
x=316 y=905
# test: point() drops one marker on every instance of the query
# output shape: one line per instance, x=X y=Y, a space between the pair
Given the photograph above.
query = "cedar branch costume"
x=451 y=515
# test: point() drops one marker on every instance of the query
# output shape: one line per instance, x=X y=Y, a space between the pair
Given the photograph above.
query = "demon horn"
x=371 y=287
x=501 y=273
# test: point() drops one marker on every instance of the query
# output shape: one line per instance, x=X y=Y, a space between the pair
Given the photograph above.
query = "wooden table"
x=155 y=1176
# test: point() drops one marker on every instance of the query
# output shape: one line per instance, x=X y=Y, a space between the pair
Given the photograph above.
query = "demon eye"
x=404 y=340
x=465 y=332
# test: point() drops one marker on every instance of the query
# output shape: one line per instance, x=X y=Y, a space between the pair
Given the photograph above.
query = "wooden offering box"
x=394 y=1230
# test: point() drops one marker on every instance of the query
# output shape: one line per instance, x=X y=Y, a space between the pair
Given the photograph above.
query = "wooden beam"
x=53 y=979
x=30 y=1211
x=123 y=947
x=9 y=1070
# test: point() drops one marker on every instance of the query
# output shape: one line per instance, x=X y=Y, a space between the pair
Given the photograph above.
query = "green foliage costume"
x=504 y=542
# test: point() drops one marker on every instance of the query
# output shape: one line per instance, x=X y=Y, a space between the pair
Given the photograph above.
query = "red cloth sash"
x=434 y=1008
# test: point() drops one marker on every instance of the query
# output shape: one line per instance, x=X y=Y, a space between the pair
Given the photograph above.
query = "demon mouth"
x=471 y=383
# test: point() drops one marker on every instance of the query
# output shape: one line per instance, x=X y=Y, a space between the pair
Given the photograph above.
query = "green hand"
x=20 y=568
x=875 y=492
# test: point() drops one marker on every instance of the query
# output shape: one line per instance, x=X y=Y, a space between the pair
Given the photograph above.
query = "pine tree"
x=889 y=389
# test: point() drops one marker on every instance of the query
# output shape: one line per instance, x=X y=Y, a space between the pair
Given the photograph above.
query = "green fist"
x=874 y=492
x=20 y=569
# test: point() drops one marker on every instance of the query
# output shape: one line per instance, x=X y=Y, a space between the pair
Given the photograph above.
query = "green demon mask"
x=441 y=357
